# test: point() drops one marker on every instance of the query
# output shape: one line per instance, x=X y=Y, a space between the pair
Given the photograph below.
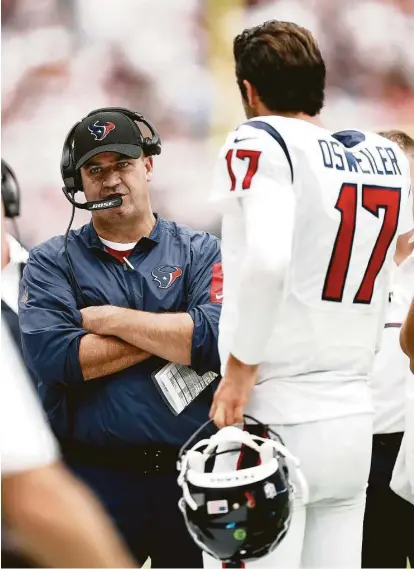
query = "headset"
x=72 y=178
x=73 y=181
x=10 y=191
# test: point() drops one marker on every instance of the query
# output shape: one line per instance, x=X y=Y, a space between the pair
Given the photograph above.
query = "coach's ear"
x=149 y=166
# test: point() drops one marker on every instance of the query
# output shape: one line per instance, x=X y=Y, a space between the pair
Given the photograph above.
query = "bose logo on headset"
x=101 y=205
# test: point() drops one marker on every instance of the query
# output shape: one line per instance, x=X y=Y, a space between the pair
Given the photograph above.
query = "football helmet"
x=238 y=515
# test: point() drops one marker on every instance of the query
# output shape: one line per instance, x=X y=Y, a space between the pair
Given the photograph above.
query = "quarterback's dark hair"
x=283 y=62
x=404 y=141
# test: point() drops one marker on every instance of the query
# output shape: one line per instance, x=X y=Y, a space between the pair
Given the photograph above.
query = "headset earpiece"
x=147 y=143
x=10 y=191
x=152 y=148
x=71 y=178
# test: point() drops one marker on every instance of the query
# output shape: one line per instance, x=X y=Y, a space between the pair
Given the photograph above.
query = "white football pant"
x=335 y=458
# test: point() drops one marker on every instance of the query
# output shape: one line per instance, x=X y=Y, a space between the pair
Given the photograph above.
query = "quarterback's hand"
x=233 y=393
x=95 y=319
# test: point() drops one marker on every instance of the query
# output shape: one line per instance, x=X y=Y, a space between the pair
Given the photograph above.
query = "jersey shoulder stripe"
x=275 y=134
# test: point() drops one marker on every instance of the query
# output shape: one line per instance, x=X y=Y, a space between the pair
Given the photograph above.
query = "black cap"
x=106 y=132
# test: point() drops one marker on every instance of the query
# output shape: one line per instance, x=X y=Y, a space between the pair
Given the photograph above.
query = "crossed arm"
x=100 y=356
x=121 y=337
x=62 y=344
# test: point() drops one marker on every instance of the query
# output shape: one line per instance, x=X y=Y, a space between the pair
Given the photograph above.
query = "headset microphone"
x=93 y=205
x=103 y=204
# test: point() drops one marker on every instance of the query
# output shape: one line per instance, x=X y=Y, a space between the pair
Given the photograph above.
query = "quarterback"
x=310 y=221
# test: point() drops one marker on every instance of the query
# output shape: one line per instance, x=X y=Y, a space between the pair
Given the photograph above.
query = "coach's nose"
x=112 y=179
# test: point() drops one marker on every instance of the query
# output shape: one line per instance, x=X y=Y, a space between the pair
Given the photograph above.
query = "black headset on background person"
x=72 y=178
x=73 y=181
x=10 y=191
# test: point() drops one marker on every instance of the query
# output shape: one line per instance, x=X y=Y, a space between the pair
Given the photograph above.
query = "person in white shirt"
x=389 y=545
x=16 y=253
x=50 y=517
x=310 y=220
x=402 y=481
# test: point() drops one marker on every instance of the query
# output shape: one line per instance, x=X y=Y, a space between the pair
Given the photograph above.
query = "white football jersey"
x=332 y=205
x=26 y=439
x=391 y=366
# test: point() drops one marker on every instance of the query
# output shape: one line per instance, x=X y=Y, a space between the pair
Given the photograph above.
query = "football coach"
x=105 y=307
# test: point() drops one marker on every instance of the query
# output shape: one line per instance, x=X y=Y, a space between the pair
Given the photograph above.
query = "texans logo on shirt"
x=99 y=131
x=166 y=275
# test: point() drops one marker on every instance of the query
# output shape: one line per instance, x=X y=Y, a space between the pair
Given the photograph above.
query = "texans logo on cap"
x=166 y=275
x=99 y=131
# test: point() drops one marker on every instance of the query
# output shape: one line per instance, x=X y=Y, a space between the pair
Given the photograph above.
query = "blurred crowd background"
x=171 y=60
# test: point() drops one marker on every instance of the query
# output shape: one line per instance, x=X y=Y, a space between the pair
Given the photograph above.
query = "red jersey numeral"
x=374 y=198
x=341 y=253
x=229 y=156
x=253 y=157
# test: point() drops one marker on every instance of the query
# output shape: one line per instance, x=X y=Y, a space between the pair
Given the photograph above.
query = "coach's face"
x=110 y=174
